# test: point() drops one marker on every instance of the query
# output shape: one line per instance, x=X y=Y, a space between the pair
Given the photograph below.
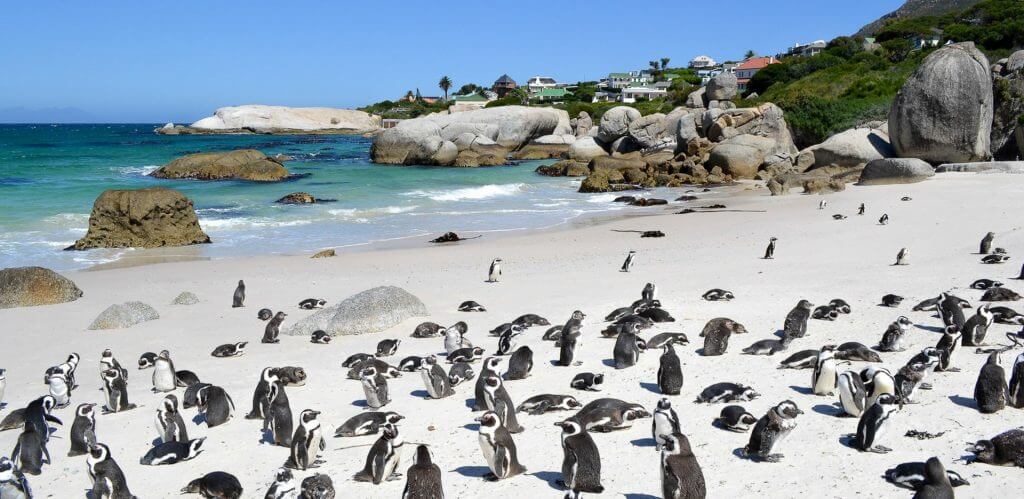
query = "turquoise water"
x=51 y=174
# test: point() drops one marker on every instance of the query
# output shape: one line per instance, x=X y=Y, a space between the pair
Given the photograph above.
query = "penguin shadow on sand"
x=609 y=363
x=473 y=427
x=829 y=410
x=361 y=404
x=553 y=479
x=802 y=390
x=643 y=442
x=471 y=403
x=199 y=419
x=473 y=471
x=267 y=437
x=651 y=387
x=933 y=329
x=962 y=401
x=422 y=394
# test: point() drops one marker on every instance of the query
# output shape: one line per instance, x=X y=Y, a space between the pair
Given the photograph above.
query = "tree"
x=445 y=84
x=418 y=95
x=750 y=55
x=467 y=89
x=409 y=96
x=664 y=62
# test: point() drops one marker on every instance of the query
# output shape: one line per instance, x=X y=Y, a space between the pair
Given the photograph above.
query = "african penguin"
x=307 y=443
x=539 y=404
x=587 y=381
x=460 y=372
x=238 y=300
x=436 y=380
x=170 y=426
x=423 y=478
x=975 y=329
x=13 y=484
x=320 y=337
x=891 y=300
x=884 y=220
x=147 y=360
x=1016 y=390
x=912 y=476
x=670 y=372
x=665 y=422
x=216 y=484
x=388 y=347
x=367 y=423
x=716 y=335
x=490 y=368
x=823 y=380
x=520 y=364
x=947 y=348
x=628 y=347
x=726 y=392
x=164 y=377
x=852 y=393
x=717 y=295
x=30 y=451
x=874 y=423
x=772 y=428
x=264 y=314
x=628 y=264
x=317 y=486
x=1006 y=448
x=215 y=405
x=498 y=448
x=312 y=303
x=83 y=430
x=173 y=452
x=736 y=418
x=497 y=400
x=383 y=458
x=681 y=476
x=115 y=389
x=494 y=272
x=581 y=460
x=471 y=306
x=990 y=391
x=804 y=359
x=892 y=338
x=901 y=257
x=769 y=252
x=285 y=485
x=795 y=325
x=273 y=329
x=229 y=350
x=107 y=478
x=375 y=387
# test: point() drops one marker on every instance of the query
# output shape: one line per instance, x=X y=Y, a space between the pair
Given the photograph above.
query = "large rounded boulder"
x=1008 y=94
x=32 y=286
x=723 y=86
x=854 y=147
x=741 y=156
x=124 y=315
x=243 y=164
x=143 y=218
x=370 y=311
x=943 y=113
x=615 y=123
x=895 y=171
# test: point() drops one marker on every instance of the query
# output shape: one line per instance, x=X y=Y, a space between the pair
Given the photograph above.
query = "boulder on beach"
x=242 y=164
x=297 y=198
x=853 y=147
x=895 y=171
x=1008 y=107
x=943 y=113
x=32 y=286
x=185 y=298
x=370 y=311
x=615 y=123
x=143 y=218
x=586 y=149
x=983 y=166
x=722 y=86
x=696 y=98
x=650 y=131
x=124 y=315
x=741 y=156
x=281 y=119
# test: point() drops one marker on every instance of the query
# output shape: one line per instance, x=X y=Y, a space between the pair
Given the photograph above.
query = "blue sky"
x=177 y=61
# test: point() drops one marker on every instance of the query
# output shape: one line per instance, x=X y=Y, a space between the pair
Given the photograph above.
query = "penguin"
x=312 y=303
x=825 y=313
x=581 y=460
x=795 y=325
x=852 y=393
x=901 y=257
x=191 y=397
x=13 y=484
x=468 y=355
x=649 y=293
x=520 y=364
x=947 y=348
x=375 y=386
x=769 y=252
x=1006 y=315
x=1006 y=448
x=990 y=391
x=169 y=423
x=628 y=264
x=459 y=373
x=670 y=372
x=986 y=243
x=215 y=404
x=67 y=369
x=874 y=423
x=860 y=209
x=539 y=404
x=823 y=380
x=355 y=358
x=661 y=339
x=278 y=415
x=320 y=337
x=839 y=216
x=497 y=400
x=936 y=482
x=608 y=414
x=285 y=485
x=908 y=379
x=185 y=379
x=1016 y=389
x=260 y=400
x=927 y=355
x=568 y=342
x=147 y=360
x=471 y=306
x=83 y=430
x=265 y=314
x=530 y=320
x=164 y=377
x=107 y=361
x=318 y=486
x=60 y=390
x=912 y=476
x=627 y=350
x=665 y=422
x=216 y=484
x=423 y=478
x=498 y=448
x=656 y=314
x=382 y=461
x=30 y=451
x=892 y=338
x=984 y=284
x=454 y=340
x=877 y=381
x=735 y=418
x=412 y=363
x=107 y=478
x=230 y=349
x=494 y=272
x=681 y=476
x=804 y=359
x=308 y=442
x=950 y=311
x=726 y=392
x=587 y=382
x=273 y=329
x=995 y=258
x=772 y=428
x=238 y=300
x=718 y=295
x=387 y=348
x=768 y=347
x=173 y=452
x=822 y=204
x=367 y=423
x=975 y=329
x=428 y=330
x=507 y=340
x=884 y=220
x=115 y=390
x=852 y=350
x=436 y=380
x=3 y=386
x=891 y=300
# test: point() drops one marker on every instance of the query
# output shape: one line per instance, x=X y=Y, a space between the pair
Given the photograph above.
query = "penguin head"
x=773 y=239
x=984 y=451
x=110 y=375
x=369 y=372
x=264 y=314
x=6 y=469
x=572 y=403
x=570 y=427
x=284 y=475
x=749 y=393
x=489 y=421
x=994 y=359
x=99 y=452
x=669 y=443
x=578 y=315
x=195 y=447
x=107 y=354
x=734 y=326
x=491 y=362
x=598 y=379
x=164 y=355
x=422 y=457
x=430 y=360
x=788 y=409
x=240 y=346
x=193 y=487
x=309 y=416
x=171 y=403
x=73 y=359
x=805 y=304
x=48 y=402
x=390 y=431
x=393 y=417
x=280 y=316
x=664 y=404
x=886 y=399
x=904 y=322
x=146 y=360
x=461 y=327
x=84 y=410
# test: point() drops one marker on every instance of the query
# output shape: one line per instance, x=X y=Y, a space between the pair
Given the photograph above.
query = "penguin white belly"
x=9 y=490
x=451 y=343
x=392 y=462
x=371 y=396
x=163 y=378
x=662 y=425
x=846 y=398
x=425 y=374
x=825 y=381
x=488 y=451
x=59 y=391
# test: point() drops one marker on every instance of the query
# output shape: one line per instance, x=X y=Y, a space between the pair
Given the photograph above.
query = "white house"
x=631 y=94
x=538 y=83
x=702 y=61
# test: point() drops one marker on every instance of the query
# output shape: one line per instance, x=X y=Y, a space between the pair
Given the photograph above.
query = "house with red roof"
x=748 y=68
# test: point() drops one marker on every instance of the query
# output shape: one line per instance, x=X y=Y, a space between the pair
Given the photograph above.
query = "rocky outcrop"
x=297 y=198
x=722 y=86
x=583 y=124
x=327 y=253
x=144 y=218
x=943 y=113
x=741 y=156
x=124 y=315
x=652 y=132
x=567 y=168
x=33 y=286
x=696 y=99
x=586 y=149
x=279 y=119
x=615 y=123
x=185 y=298
x=431 y=140
x=242 y=164
x=895 y=171
x=766 y=120
x=1008 y=102
x=854 y=147
x=983 y=166
x=370 y=311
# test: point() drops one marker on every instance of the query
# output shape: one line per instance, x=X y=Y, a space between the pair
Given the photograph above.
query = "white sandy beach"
x=553 y=273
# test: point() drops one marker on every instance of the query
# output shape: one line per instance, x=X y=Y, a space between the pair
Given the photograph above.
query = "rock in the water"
x=586 y=149
x=297 y=198
x=370 y=311
x=243 y=164
x=566 y=168
x=186 y=298
x=895 y=171
x=723 y=86
x=1008 y=95
x=327 y=253
x=740 y=156
x=943 y=113
x=124 y=315
x=852 y=147
x=280 y=119
x=144 y=218
x=32 y=286
x=615 y=123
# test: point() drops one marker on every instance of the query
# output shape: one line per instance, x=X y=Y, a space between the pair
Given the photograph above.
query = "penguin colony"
x=849 y=380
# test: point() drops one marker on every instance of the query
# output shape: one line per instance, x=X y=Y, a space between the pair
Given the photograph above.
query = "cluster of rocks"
x=278 y=120
x=142 y=218
x=242 y=164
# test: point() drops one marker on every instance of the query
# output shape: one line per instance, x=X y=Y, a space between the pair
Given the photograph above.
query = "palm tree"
x=654 y=65
x=664 y=62
x=445 y=84
x=750 y=54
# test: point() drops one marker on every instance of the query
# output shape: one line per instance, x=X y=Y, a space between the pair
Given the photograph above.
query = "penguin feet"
x=925 y=386
x=773 y=458
x=393 y=477
x=953 y=369
x=879 y=449
x=490 y=477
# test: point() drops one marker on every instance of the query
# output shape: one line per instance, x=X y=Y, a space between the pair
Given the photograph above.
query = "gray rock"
x=142 y=218
x=370 y=311
x=740 y=156
x=722 y=87
x=583 y=124
x=615 y=123
x=853 y=147
x=1016 y=61
x=696 y=99
x=124 y=315
x=586 y=149
x=943 y=113
x=186 y=298
x=895 y=171
x=33 y=286
x=983 y=166
x=686 y=129
x=649 y=130
x=1008 y=107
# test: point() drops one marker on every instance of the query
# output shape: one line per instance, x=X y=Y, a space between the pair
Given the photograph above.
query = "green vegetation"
x=994 y=25
x=445 y=84
x=404 y=109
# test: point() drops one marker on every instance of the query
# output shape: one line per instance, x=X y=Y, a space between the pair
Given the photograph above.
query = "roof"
x=619 y=75
x=473 y=97
x=552 y=92
x=505 y=79
x=757 y=63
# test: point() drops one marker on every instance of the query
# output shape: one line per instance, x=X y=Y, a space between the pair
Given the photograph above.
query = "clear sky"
x=131 y=61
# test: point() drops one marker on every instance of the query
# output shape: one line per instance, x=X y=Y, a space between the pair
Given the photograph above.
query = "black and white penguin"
x=375 y=387
x=1016 y=389
x=428 y=330
x=581 y=460
x=216 y=484
x=308 y=442
x=107 y=361
x=423 y=478
x=984 y=284
x=265 y=314
x=726 y=392
x=230 y=349
x=471 y=306
x=608 y=414
x=460 y=372
x=320 y=337
x=507 y=340
x=272 y=332
x=892 y=338
x=1006 y=315
x=455 y=338
x=874 y=423
x=681 y=476
x=367 y=423
x=497 y=400
x=716 y=335
x=587 y=381
x=975 y=329
x=901 y=257
x=164 y=377
x=912 y=476
x=191 y=397
x=664 y=422
x=884 y=219
x=147 y=360
x=630 y=260
x=170 y=426
x=388 y=347
x=795 y=325
x=947 y=346
x=83 y=430
x=853 y=394
x=355 y=358
x=260 y=401
x=489 y=368
x=825 y=313
x=530 y=320
x=986 y=243
x=498 y=448
x=215 y=404
x=628 y=347
x=951 y=311
x=804 y=359
x=661 y=339
x=996 y=258
x=384 y=456
x=520 y=364
x=718 y=295
x=312 y=303
x=891 y=300
x=877 y=381
x=173 y=452
x=568 y=342
x=861 y=208
x=770 y=430
x=435 y=379
x=539 y=404
x=66 y=369
x=60 y=390
x=494 y=272
x=285 y=486
x=670 y=372
x=412 y=363
x=30 y=453
x=278 y=415
x=649 y=293
x=238 y=300
x=736 y=418
x=769 y=252
x=115 y=391
x=107 y=478
x=990 y=391
x=769 y=346
x=1006 y=448
x=468 y=355
x=185 y=379
x=13 y=484
x=823 y=380
x=852 y=350
x=656 y=314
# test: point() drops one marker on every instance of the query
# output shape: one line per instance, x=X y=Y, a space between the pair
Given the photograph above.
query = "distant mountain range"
x=46 y=115
x=917 y=8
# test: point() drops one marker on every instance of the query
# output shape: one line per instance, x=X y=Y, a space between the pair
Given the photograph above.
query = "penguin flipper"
x=53 y=419
x=502 y=462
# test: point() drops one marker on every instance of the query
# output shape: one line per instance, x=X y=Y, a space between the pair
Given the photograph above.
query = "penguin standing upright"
x=278 y=418
x=884 y=220
x=628 y=264
x=769 y=252
x=30 y=452
x=60 y=390
x=169 y=423
x=520 y=364
x=107 y=478
x=670 y=371
x=423 y=478
x=375 y=387
x=567 y=345
x=3 y=385
x=115 y=388
x=454 y=340
x=649 y=293
x=307 y=442
x=664 y=423
x=823 y=380
x=436 y=380
x=795 y=325
x=498 y=448
x=874 y=423
x=990 y=391
x=877 y=381
x=975 y=328
x=83 y=430
x=770 y=429
x=13 y=484
x=901 y=257
x=260 y=401
x=107 y=361
x=496 y=399
x=627 y=349
x=581 y=461
x=164 y=377
x=215 y=405
x=273 y=329
x=860 y=209
x=238 y=300
x=494 y=272
x=681 y=476
x=986 y=243
x=852 y=393
x=1016 y=391
x=947 y=348
x=951 y=311
x=490 y=368
x=383 y=458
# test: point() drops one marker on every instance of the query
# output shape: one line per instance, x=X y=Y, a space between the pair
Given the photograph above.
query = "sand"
x=552 y=273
